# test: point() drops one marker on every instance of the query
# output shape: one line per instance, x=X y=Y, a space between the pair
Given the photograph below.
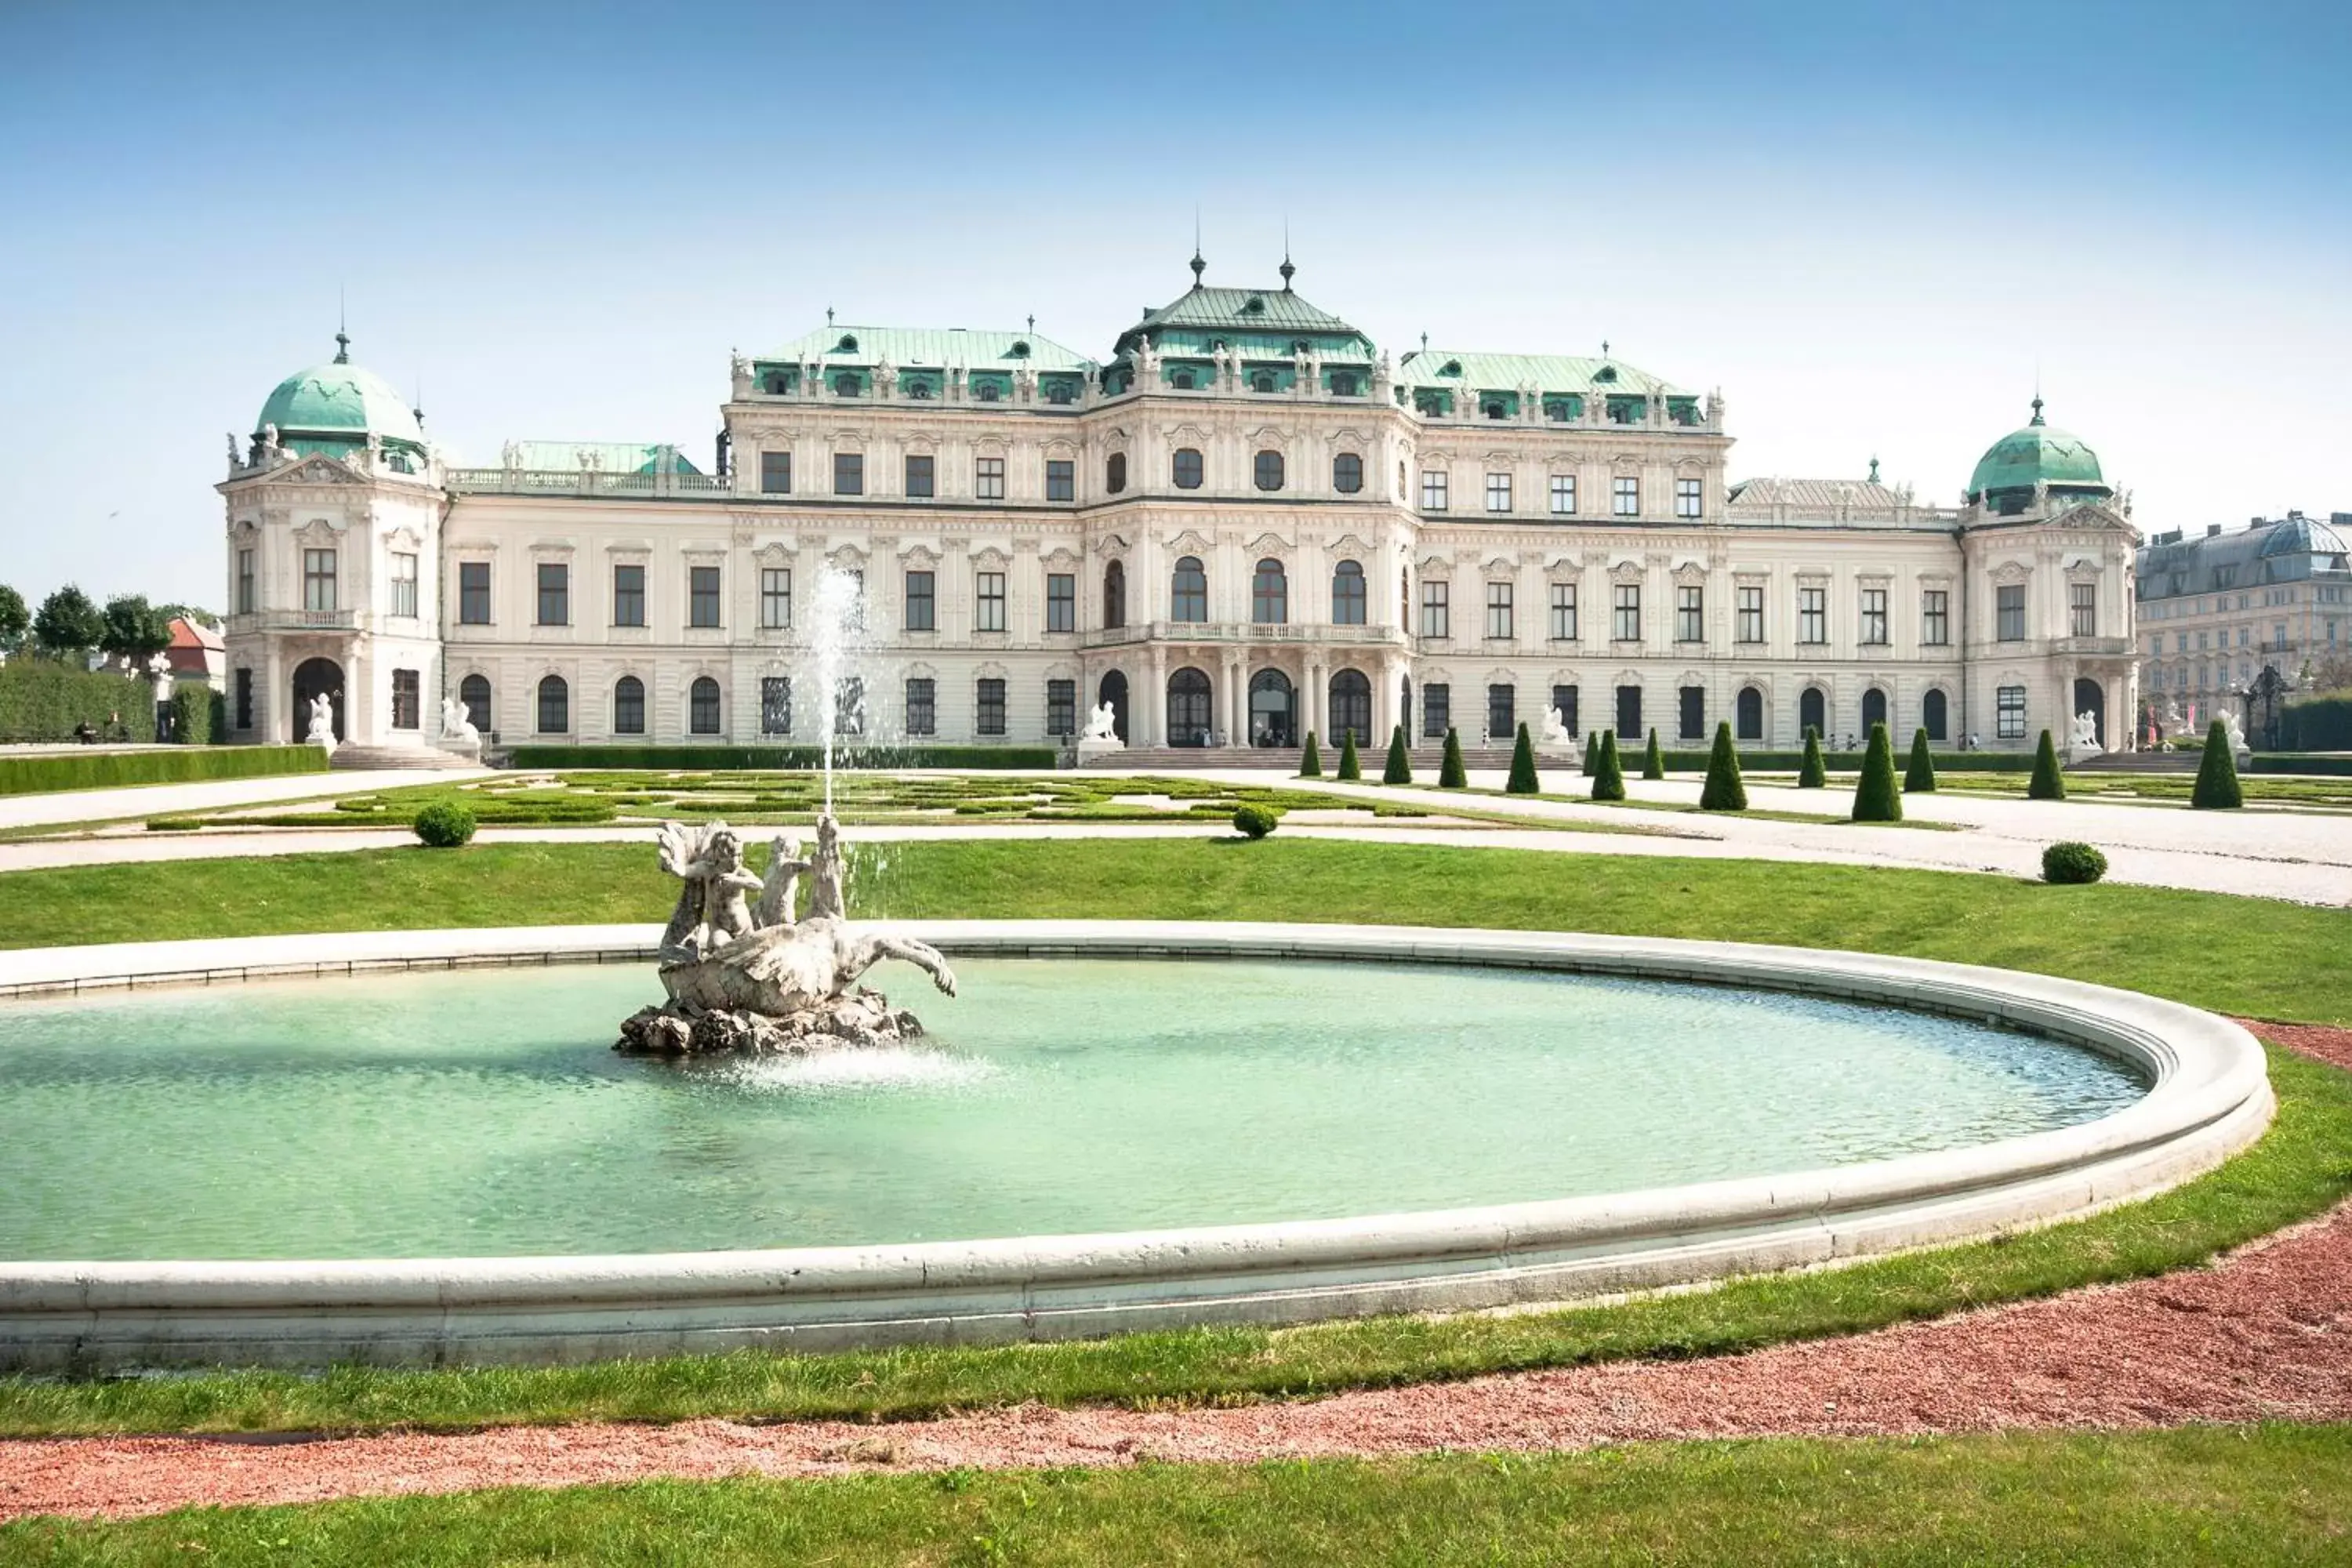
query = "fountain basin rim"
x=2210 y=1096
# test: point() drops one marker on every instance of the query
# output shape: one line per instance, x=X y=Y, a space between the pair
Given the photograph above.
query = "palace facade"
x=1247 y=522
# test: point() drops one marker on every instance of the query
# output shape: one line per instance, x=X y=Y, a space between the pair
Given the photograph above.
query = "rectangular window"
x=1686 y=494
x=1502 y=712
x=1563 y=698
x=1936 y=617
x=1433 y=490
x=1627 y=625
x=1061 y=707
x=776 y=597
x=2008 y=613
x=245 y=700
x=1563 y=495
x=1693 y=712
x=849 y=705
x=1563 y=612
x=1813 y=614
x=776 y=473
x=1629 y=498
x=992 y=705
x=245 y=586
x=702 y=596
x=407 y=700
x=775 y=705
x=922 y=706
x=1751 y=613
x=920 y=607
x=2086 y=607
x=629 y=594
x=919 y=476
x=1437 y=710
x=991 y=602
x=317 y=579
x=1690 y=613
x=1498 y=493
x=1436 y=619
x=2009 y=713
x=1061 y=483
x=1628 y=715
x=1874 y=617
x=1498 y=610
x=849 y=473
x=1061 y=604
x=404 y=585
x=988 y=479
x=474 y=593
x=554 y=594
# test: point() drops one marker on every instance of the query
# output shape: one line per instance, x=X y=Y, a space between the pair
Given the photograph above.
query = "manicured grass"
x=2263 y=957
x=2273 y=1494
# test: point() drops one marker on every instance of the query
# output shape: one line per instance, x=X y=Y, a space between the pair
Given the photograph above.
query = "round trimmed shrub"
x=1254 y=821
x=445 y=825
x=2073 y=862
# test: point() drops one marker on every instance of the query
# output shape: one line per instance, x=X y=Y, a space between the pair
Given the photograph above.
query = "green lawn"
x=2266 y=1495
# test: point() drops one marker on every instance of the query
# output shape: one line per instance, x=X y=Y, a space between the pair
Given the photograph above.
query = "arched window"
x=984 y=392
x=629 y=706
x=1343 y=383
x=1931 y=714
x=1189 y=714
x=1261 y=381
x=1399 y=490
x=778 y=382
x=702 y=706
x=1352 y=705
x=1813 y=712
x=1181 y=380
x=1272 y=710
x=919 y=390
x=1347 y=473
x=1114 y=595
x=1058 y=393
x=1494 y=408
x=1348 y=594
x=554 y=706
x=1750 y=713
x=1269 y=470
x=1269 y=594
x=474 y=692
x=1188 y=598
x=1115 y=473
x=845 y=383
x=1874 y=709
x=1187 y=469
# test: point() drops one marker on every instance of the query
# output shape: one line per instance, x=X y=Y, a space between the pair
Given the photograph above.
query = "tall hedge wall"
x=42 y=699
x=2322 y=723
x=732 y=757
x=190 y=764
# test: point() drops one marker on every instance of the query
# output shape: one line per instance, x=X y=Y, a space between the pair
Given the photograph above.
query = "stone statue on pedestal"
x=322 y=722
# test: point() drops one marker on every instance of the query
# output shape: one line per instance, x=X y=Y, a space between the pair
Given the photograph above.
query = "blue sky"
x=1871 y=225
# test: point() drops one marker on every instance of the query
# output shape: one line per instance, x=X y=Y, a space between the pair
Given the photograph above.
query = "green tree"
x=135 y=631
x=1812 y=774
x=1310 y=761
x=1523 y=780
x=1350 y=770
x=2047 y=782
x=1398 y=769
x=1919 y=778
x=1725 y=790
x=194 y=615
x=2217 y=773
x=68 y=623
x=1591 y=753
x=1608 y=773
x=1875 y=798
x=16 y=619
x=1654 y=762
x=1451 y=773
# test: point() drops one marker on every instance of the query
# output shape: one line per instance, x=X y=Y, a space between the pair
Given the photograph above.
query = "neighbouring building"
x=2218 y=608
x=1245 y=523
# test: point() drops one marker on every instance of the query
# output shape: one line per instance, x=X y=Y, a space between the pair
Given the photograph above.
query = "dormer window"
x=1343 y=383
x=1451 y=367
x=778 y=383
x=1180 y=380
x=1262 y=381
x=1021 y=349
x=1494 y=408
x=1059 y=394
x=985 y=392
x=1606 y=372
x=1428 y=404
x=1256 y=307
x=847 y=345
x=921 y=391
x=846 y=384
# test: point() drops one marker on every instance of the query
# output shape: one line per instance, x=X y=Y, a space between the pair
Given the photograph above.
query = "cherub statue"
x=322 y=722
x=710 y=911
x=456 y=723
x=826 y=896
x=2086 y=731
x=780 y=890
x=1555 y=732
x=1102 y=724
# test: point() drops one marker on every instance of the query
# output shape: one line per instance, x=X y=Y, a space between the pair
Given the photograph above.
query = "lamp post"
x=2268 y=687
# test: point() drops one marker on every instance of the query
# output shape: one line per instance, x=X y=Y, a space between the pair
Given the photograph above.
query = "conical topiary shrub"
x=1919 y=778
x=1875 y=798
x=2217 y=775
x=1810 y=775
x=1399 y=770
x=1523 y=780
x=1310 y=761
x=1351 y=769
x=1608 y=773
x=1451 y=773
x=1725 y=790
x=1654 y=762
x=2047 y=782
x=1591 y=753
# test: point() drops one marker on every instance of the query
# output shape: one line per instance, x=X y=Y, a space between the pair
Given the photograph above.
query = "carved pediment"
x=1347 y=544
x=1566 y=562
x=1690 y=572
x=1191 y=541
x=2010 y=573
x=1500 y=566
x=1627 y=569
x=1270 y=544
x=1435 y=563
x=919 y=555
x=319 y=533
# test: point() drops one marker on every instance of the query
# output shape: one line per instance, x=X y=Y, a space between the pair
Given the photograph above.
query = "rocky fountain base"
x=752 y=978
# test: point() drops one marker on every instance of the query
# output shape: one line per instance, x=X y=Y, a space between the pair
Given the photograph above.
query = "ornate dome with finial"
x=338 y=404
x=2040 y=453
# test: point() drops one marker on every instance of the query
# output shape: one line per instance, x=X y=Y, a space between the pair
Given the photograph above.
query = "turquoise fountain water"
x=478 y=1112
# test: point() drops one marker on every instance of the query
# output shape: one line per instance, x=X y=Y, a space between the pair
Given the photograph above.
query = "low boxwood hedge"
x=190 y=764
x=970 y=758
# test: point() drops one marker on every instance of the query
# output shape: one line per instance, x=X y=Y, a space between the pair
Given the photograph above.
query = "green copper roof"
x=926 y=348
x=1267 y=321
x=2036 y=454
x=339 y=397
x=1455 y=368
x=612 y=457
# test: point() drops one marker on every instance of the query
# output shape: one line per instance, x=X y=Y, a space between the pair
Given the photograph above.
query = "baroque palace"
x=1246 y=523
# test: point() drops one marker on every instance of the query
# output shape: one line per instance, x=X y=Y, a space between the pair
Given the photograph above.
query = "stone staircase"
x=362 y=758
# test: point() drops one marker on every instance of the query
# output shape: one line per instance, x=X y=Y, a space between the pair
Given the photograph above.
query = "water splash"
x=837 y=622
x=835 y=1072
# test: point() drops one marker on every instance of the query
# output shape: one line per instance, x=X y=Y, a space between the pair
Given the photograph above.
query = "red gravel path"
x=2265 y=1334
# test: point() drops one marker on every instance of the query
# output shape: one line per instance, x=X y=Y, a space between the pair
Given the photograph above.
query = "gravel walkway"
x=2264 y=1335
